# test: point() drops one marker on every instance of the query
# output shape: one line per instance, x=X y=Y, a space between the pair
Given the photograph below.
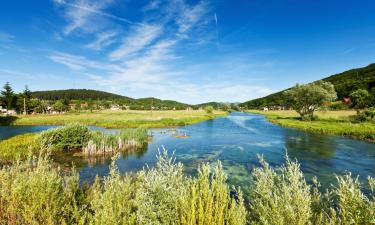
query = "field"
x=121 y=119
x=328 y=122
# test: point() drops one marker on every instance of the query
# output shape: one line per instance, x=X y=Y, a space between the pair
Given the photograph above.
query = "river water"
x=236 y=140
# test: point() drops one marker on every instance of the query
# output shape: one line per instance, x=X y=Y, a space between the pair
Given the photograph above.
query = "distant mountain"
x=216 y=105
x=87 y=95
x=345 y=83
x=77 y=94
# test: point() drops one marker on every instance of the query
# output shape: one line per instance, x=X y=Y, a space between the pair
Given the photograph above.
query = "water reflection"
x=309 y=146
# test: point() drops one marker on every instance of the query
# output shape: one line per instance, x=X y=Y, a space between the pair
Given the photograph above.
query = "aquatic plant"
x=127 y=139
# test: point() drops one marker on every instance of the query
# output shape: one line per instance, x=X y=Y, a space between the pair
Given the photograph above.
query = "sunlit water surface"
x=236 y=140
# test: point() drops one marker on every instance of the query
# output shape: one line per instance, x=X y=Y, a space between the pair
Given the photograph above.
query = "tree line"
x=82 y=99
x=345 y=85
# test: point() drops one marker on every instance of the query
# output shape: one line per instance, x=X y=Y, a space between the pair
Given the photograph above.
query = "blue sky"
x=190 y=51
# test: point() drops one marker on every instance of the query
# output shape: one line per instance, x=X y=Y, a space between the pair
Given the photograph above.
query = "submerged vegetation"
x=35 y=192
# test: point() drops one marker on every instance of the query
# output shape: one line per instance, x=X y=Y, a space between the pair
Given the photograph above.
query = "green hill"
x=345 y=83
x=77 y=94
x=93 y=95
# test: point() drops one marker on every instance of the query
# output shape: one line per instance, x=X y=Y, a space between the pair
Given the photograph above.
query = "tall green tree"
x=305 y=99
x=8 y=95
x=360 y=99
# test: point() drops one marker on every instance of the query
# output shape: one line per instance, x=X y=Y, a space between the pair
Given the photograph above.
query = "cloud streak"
x=145 y=59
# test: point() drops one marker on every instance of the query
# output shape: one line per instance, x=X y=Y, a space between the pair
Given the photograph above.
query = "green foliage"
x=305 y=99
x=280 y=196
x=69 y=137
x=360 y=99
x=209 y=110
x=19 y=146
x=338 y=105
x=126 y=139
x=345 y=83
x=35 y=192
x=367 y=115
x=7 y=96
x=59 y=106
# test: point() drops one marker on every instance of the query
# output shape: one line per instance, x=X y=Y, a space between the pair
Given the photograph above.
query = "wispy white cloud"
x=80 y=14
x=77 y=62
x=103 y=40
x=142 y=36
x=190 y=16
x=143 y=60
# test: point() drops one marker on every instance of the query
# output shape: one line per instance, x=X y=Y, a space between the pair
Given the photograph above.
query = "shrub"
x=33 y=192
x=69 y=137
x=366 y=115
x=280 y=196
x=338 y=105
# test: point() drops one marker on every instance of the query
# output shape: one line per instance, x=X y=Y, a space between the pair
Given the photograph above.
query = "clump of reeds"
x=127 y=139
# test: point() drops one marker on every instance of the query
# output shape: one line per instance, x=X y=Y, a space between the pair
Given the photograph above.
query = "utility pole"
x=24 y=106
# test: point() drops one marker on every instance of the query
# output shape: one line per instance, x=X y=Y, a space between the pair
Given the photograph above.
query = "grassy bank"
x=75 y=138
x=35 y=192
x=120 y=119
x=328 y=122
x=18 y=147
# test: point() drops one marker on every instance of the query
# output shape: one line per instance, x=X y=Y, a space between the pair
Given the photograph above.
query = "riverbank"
x=73 y=138
x=328 y=122
x=120 y=119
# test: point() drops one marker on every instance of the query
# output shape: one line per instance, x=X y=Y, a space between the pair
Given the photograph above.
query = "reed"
x=127 y=139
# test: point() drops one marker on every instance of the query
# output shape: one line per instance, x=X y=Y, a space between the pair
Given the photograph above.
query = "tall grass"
x=328 y=122
x=20 y=146
x=35 y=192
x=120 y=119
x=127 y=139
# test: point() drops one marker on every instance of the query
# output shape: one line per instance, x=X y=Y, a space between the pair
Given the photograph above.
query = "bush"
x=34 y=192
x=69 y=137
x=280 y=196
x=339 y=105
x=366 y=115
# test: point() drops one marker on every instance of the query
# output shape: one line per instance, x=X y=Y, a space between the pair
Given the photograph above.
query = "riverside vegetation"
x=73 y=137
x=35 y=192
x=344 y=123
x=118 y=119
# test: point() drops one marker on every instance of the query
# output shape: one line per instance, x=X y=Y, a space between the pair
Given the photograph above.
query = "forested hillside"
x=77 y=94
x=345 y=83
